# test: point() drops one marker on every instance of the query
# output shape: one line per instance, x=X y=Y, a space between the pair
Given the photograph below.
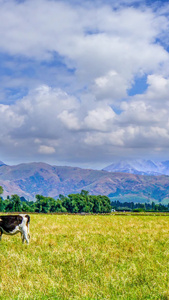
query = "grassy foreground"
x=88 y=257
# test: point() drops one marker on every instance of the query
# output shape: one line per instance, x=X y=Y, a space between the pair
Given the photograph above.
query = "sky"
x=84 y=83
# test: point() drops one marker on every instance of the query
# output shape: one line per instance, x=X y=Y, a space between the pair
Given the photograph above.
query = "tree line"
x=73 y=203
x=131 y=206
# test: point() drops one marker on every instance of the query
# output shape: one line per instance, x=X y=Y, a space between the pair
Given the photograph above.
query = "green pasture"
x=88 y=257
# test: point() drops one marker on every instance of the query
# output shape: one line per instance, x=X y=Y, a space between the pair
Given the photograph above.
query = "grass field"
x=88 y=257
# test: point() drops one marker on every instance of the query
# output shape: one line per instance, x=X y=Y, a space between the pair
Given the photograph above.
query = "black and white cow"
x=12 y=224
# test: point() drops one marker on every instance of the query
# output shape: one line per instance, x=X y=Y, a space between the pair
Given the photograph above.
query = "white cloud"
x=69 y=120
x=111 y=87
x=158 y=88
x=104 y=39
x=155 y=98
x=96 y=53
x=99 y=119
x=50 y=122
x=113 y=138
x=43 y=149
x=141 y=113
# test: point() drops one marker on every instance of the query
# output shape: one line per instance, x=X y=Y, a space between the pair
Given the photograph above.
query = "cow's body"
x=12 y=224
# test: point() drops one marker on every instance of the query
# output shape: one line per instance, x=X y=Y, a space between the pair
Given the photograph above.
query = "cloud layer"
x=68 y=71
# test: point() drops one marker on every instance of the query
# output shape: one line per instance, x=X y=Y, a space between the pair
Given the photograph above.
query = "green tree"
x=105 y=205
x=96 y=204
x=67 y=203
x=42 y=204
x=84 y=202
x=84 y=193
x=71 y=203
x=16 y=203
x=8 y=205
x=26 y=207
x=61 y=197
x=59 y=207
x=153 y=206
x=31 y=205
x=1 y=204
x=56 y=205
x=1 y=190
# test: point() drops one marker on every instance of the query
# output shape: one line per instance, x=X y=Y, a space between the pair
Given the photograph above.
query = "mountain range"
x=29 y=179
x=140 y=167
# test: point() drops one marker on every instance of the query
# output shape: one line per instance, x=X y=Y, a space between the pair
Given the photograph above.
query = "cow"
x=12 y=224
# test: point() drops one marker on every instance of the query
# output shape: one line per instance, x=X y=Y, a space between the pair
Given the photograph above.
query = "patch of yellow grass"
x=88 y=257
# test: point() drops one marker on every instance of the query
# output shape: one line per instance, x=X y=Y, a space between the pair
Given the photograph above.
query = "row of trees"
x=73 y=203
x=131 y=206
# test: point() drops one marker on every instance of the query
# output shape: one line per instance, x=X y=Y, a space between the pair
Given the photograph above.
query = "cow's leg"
x=25 y=235
x=22 y=237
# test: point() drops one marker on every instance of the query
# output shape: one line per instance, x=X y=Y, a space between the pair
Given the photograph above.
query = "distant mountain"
x=30 y=179
x=1 y=163
x=140 y=167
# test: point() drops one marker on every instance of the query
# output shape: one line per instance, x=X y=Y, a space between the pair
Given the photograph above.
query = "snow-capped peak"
x=139 y=166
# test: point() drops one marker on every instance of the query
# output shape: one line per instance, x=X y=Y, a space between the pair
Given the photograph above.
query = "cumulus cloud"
x=46 y=149
x=104 y=41
x=99 y=119
x=158 y=88
x=141 y=113
x=69 y=120
x=107 y=87
x=76 y=64
x=50 y=122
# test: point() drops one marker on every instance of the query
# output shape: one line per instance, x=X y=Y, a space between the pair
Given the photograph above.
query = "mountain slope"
x=141 y=167
x=1 y=163
x=39 y=178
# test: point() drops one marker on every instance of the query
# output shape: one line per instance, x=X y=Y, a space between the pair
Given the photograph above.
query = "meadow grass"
x=88 y=257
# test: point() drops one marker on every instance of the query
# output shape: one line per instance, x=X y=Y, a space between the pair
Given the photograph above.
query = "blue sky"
x=84 y=83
